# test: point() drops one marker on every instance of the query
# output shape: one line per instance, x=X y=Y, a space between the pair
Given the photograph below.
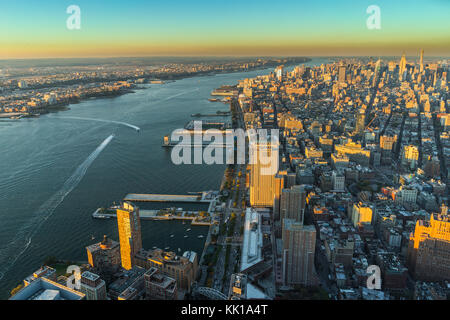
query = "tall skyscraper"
x=402 y=67
x=279 y=72
x=299 y=243
x=342 y=74
x=292 y=203
x=265 y=183
x=360 y=122
x=129 y=233
x=421 y=60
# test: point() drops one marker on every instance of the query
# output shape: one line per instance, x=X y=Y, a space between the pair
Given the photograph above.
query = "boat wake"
x=22 y=240
x=178 y=94
x=106 y=121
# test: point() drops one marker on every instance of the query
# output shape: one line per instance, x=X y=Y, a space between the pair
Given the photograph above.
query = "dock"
x=135 y=197
x=153 y=215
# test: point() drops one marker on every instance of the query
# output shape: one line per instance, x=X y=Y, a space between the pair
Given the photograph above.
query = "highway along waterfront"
x=56 y=170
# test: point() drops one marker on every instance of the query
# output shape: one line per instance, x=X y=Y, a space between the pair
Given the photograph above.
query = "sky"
x=111 y=28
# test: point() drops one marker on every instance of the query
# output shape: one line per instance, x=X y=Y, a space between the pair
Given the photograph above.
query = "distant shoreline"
x=63 y=106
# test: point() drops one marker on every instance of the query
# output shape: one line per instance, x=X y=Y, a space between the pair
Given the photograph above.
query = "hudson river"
x=56 y=170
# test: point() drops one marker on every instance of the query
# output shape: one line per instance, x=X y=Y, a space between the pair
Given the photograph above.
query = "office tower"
x=290 y=179
x=402 y=67
x=279 y=73
x=238 y=287
x=158 y=286
x=129 y=233
x=360 y=122
x=341 y=77
x=299 y=243
x=429 y=249
x=104 y=254
x=292 y=203
x=421 y=60
x=265 y=183
x=93 y=286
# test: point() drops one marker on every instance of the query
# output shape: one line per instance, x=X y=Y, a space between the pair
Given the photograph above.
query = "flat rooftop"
x=253 y=240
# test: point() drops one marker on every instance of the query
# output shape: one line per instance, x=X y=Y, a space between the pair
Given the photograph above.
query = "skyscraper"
x=292 y=203
x=360 y=122
x=402 y=67
x=265 y=183
x=341 y=78
x=421 y=60
x=299 y=243
x=279 y=72
x=129 y=233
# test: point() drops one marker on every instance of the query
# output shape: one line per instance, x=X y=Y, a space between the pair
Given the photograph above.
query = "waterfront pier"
x=134 y=197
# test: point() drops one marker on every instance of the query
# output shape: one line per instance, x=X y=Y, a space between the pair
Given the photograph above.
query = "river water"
x=57 y=169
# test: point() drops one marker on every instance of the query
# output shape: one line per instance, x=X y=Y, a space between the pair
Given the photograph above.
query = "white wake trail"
x=106 y=121
x=178 y=94
x=22 y=240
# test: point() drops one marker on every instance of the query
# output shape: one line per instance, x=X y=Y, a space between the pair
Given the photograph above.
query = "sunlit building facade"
x=129 y=233
x=429 y=249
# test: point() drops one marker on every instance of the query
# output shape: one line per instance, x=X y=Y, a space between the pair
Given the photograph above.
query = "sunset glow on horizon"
x=222 y=28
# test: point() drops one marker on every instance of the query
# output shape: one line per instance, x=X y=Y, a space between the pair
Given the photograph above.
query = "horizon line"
x=216 y=56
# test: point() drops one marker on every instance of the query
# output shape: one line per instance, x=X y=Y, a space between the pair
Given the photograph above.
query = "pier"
x=153 y=215
x=134 y=197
